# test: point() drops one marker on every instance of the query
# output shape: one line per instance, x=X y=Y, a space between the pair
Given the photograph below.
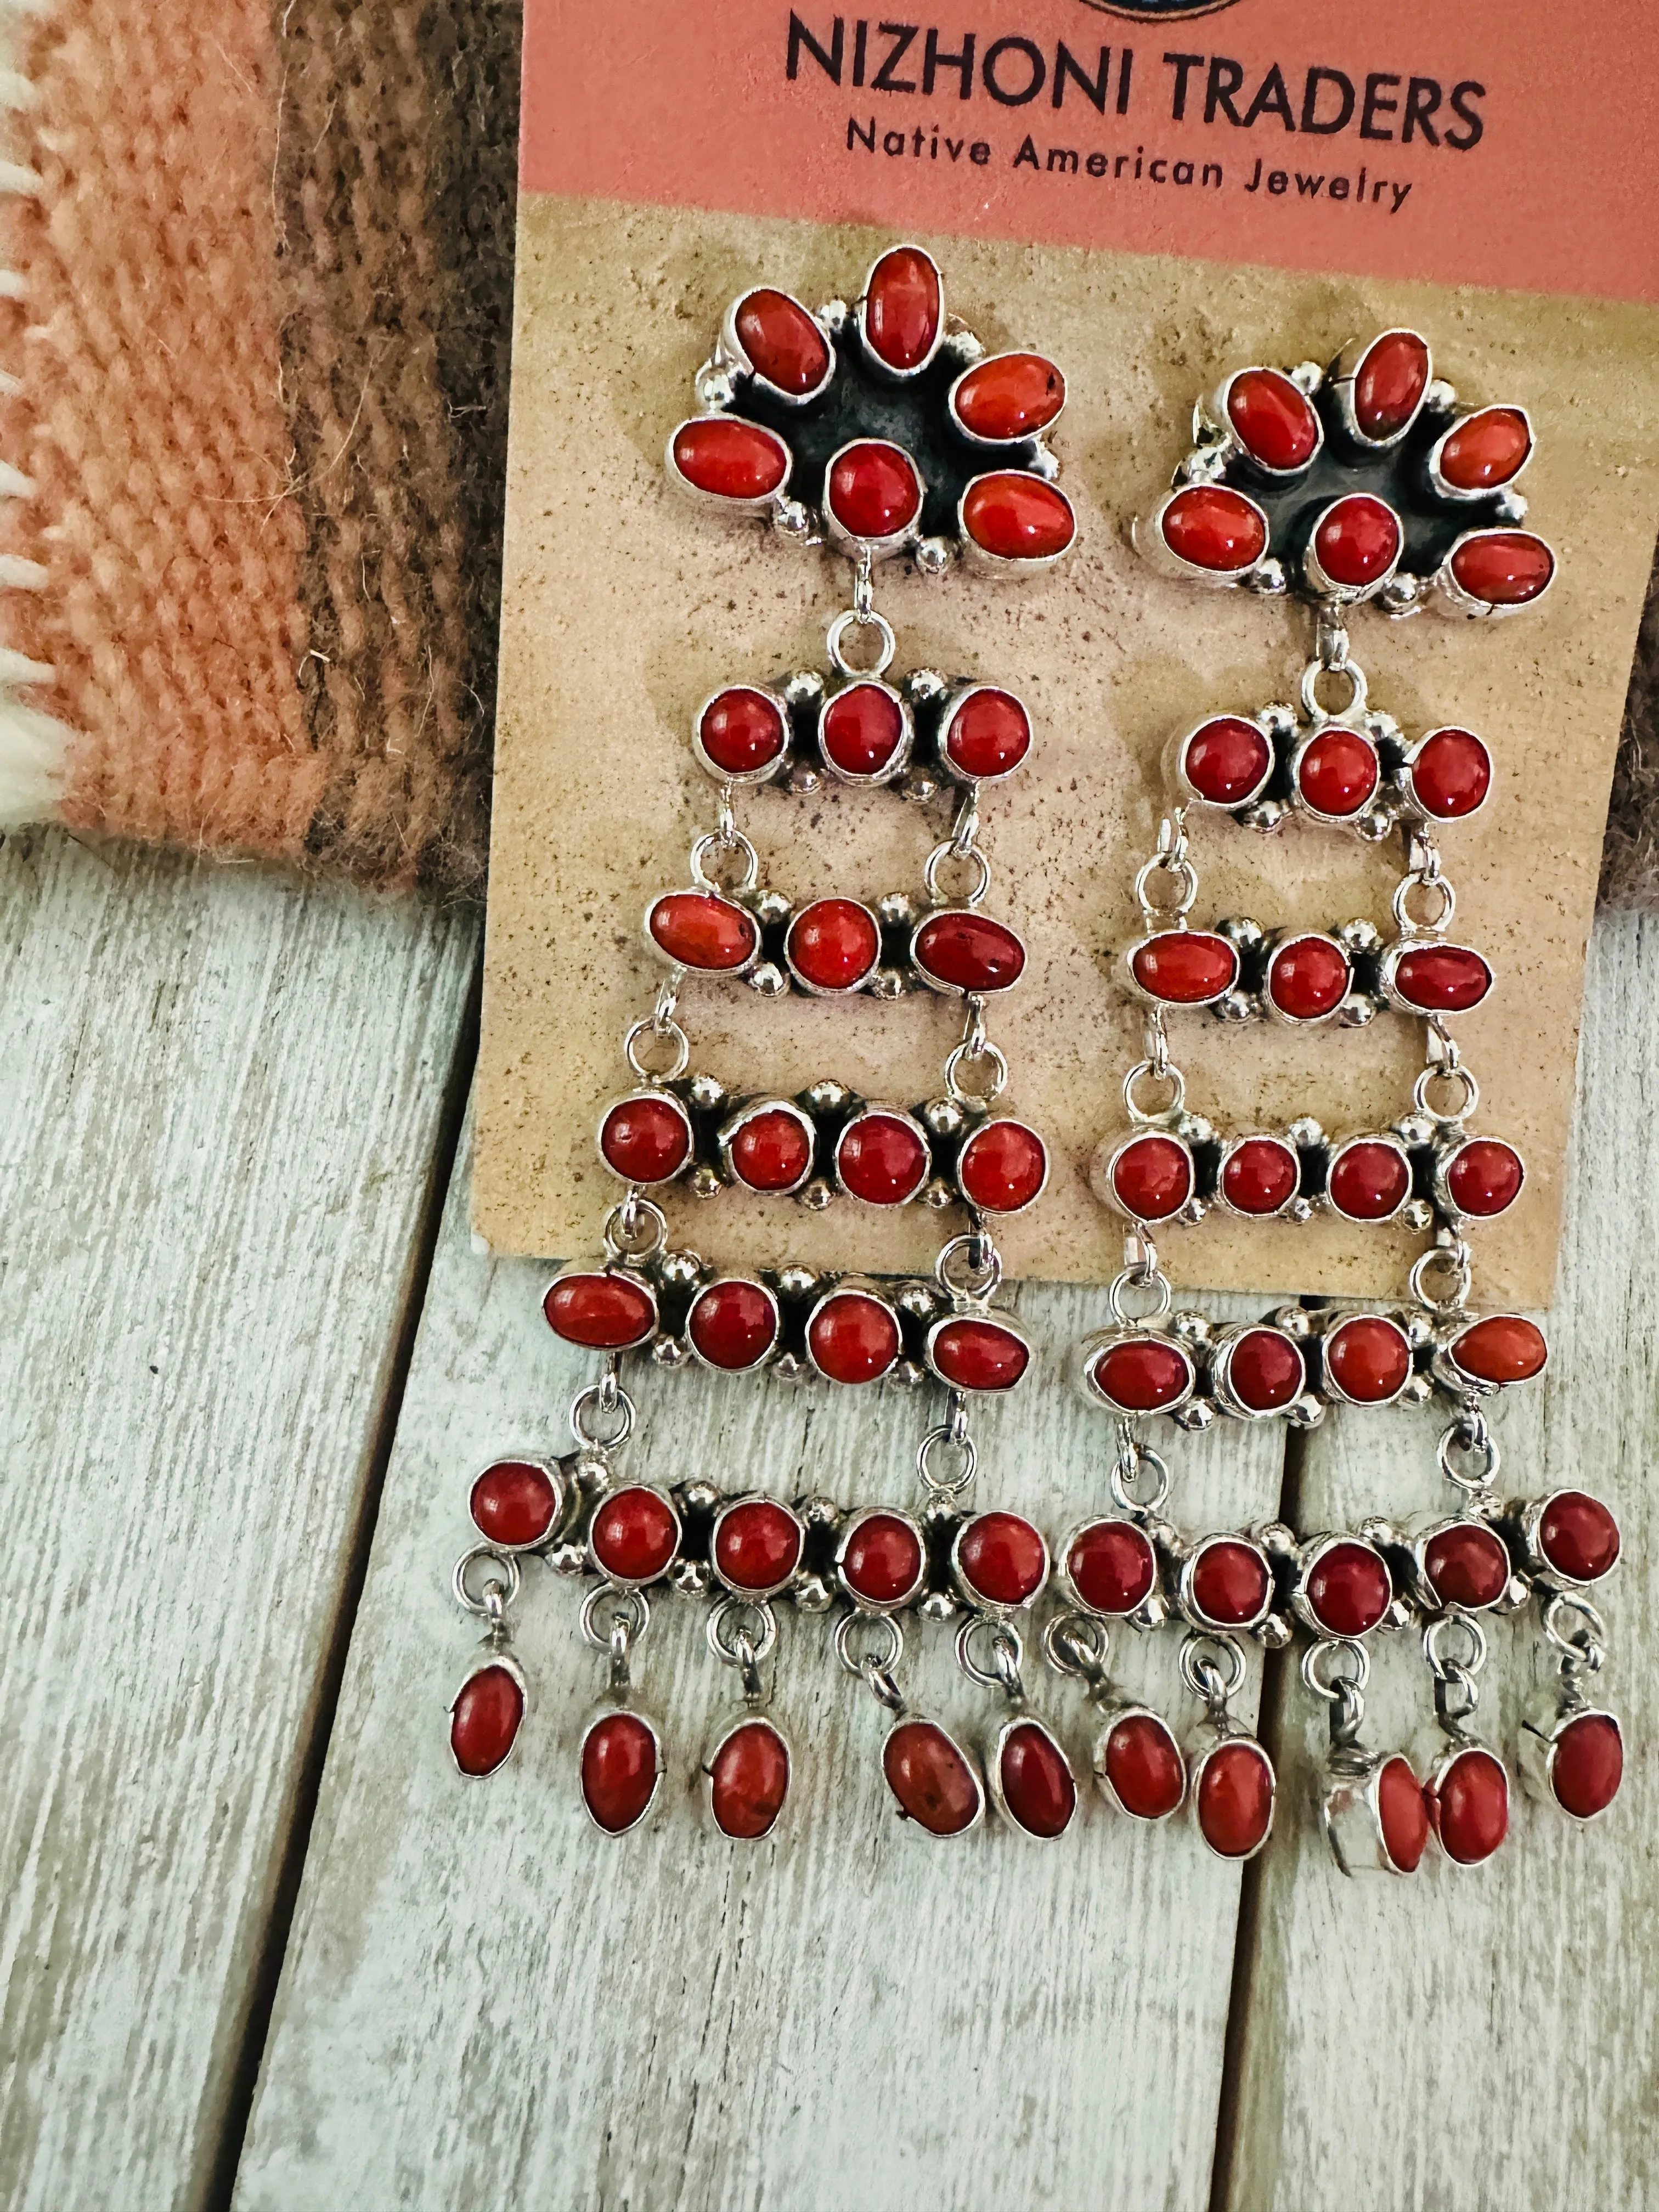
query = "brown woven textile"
x=395 y=186
x=261 y=364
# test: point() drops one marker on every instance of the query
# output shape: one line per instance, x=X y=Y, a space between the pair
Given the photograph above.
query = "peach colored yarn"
x=150 y=416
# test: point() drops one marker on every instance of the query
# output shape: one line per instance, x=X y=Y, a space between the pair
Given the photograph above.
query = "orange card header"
x=1491 y=142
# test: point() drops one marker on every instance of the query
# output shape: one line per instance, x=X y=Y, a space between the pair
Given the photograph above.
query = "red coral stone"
x=758 y=1544
x=1588 y=1765
x=1348 y=1588
x=731 y=458
x=634 y=1534
x=1369 y=1180
x=1152 y=1177
x=862 y=730
x=741 y=730
x=1226 y=761
x=1017 y=517
x=1451 y=774
x=604 y=1313
x=874 y=491
x=1485 y=1178
x=1145 y=1767
x=833 y=944
x=1230 y=1583
x=1142 y=1374
x=1368 y=1358
x=1002 y=1558
x=1485 y=450
x=1338 y=773
x=485 y=1720
x=1260 y=1175
x=1265 y=1370
x=969 y=951
x=979 y=1355
x=1014 y=395
x=700 y=929
x=988 y=735
x=514 y=1503
x=647 y=1140
x=1038 y=1793
x=1235 y=1797
x=932 y=1781
x=1003 y=1167
x=1469 y=1806
x=1308 y=977
x=852 y=1338
x=1358 y=541
x=1185 y=967
x=902 y=308
x=733 y=1325
x=1467 y=1565
x=1503 y=1348
x=882 y=1559
x=1402 y=1814
x=749 y=1780
x=1273 y=419
x=1215 y=528
x=619 y=1771
x=1578 y=1537
x=1442 y=979
x=1504 y=567
x=881 y=1158
x=1111 y=1565
x=782 y=342
x=1390 y=383
x=772 y=1151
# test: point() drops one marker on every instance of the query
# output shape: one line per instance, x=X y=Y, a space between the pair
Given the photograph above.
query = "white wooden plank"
x=220 y=1096
x=484 y=2001
x=1490 y=2036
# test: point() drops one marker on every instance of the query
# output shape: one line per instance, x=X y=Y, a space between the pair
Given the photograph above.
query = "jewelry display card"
x=714 y=153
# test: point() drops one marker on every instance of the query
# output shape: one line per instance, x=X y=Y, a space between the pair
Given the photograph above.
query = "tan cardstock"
x=625 y=606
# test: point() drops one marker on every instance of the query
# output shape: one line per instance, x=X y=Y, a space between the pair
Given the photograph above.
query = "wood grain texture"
x=1490 y=2036
x=219 y=1100
x=486 y=2002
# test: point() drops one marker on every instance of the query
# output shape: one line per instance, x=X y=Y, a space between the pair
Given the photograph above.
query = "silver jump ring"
x=1007 y=1654
x=946 y=1485
x=649 y=1027
x=1172 y=1076
x=631 y=1609
x=1357 y=694
x=732 y=841
x=1483 y=1446
x=502 y=1585
x=1441 y=1663
x=960 y=1057
x=865 y=619
x=1133 y=1278
x=1200 y=1667
x=635 y=1228
x=1403 y=891
x=593 y=1398
x=878 y=1626
x=1076 y=1643
x=1432 y=1075
x=1184 y=875
x=1438 y=1261
x=1125 y=1470
x=982 y=1270
x=947 y=851
x=735 y=1613
x=1590 y=1647
x=1333 y=1686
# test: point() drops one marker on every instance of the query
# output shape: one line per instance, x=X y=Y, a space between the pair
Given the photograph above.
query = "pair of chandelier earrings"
x=884 y=428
